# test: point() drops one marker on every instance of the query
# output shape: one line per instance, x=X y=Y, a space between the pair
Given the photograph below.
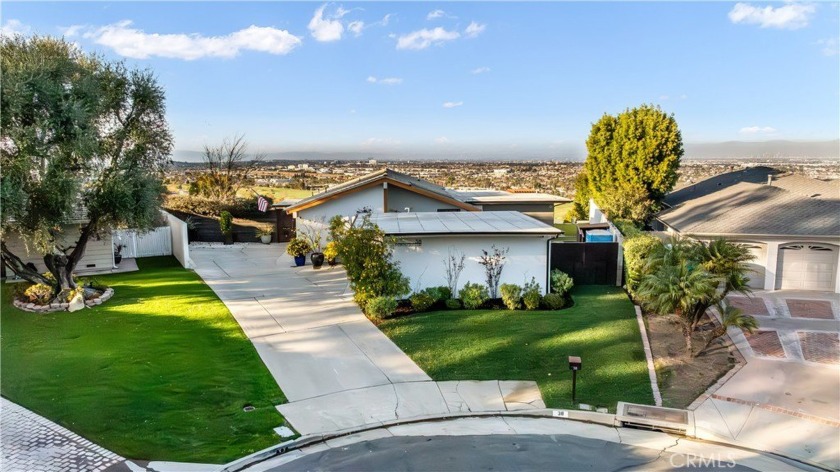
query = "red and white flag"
x=262 y=203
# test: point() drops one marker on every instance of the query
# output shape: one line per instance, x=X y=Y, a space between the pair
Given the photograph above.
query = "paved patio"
x=335 y=367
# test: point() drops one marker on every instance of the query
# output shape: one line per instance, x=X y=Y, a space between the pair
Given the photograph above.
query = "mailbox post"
x=574 y=366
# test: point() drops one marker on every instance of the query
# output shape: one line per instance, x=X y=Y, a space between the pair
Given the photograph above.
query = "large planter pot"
x=117 y=259
x=317 y=259
x=265 y=239
x=300 y=260
x=331 y=262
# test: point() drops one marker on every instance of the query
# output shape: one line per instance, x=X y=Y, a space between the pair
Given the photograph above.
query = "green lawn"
x=601 y=328
x=561 y=210
x=161 y=371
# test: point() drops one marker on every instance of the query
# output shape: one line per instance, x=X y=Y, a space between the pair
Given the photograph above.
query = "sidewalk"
x=32 y=443
x=335 y=367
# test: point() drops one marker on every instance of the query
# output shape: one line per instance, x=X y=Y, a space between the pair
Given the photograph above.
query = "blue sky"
x=449 y=78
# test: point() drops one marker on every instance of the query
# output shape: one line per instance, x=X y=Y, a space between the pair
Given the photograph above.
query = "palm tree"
x=730 y=317
x=680 y=289
x=686 y=277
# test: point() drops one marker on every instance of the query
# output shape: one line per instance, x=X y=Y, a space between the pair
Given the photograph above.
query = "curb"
x=654 y=383
x=605 y=419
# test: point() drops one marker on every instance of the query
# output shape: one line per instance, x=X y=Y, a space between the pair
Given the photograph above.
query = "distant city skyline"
x=465 y=79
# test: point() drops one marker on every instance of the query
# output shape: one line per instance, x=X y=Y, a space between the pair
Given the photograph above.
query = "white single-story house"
x=425 y=240
x=790 y=222
x=388 y=191
x=431 y=221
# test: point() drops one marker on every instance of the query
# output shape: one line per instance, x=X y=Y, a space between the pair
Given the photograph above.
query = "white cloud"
x=137 y=44
x=757 y=130
x=480 y=70
x=72 y=31
x=442 y=140
x=436 y=14
x=384 y=81
x=452 y=104
x=424 y=38
x=356 y=27
x=327 y=29
x=790 y=16
x=14 y=27
x=474 y=29
x=830 y=46
x=380 y=142
x=385 y=19
x=663 y=97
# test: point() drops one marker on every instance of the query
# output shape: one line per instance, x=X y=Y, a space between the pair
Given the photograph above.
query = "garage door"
x=756 y=274
x=806 y=266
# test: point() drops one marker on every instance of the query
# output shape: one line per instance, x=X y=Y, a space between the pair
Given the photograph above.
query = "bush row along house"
x=432 y=223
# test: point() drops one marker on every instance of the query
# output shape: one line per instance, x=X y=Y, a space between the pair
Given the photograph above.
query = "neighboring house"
x=425 y=240
x=431 y=221
x=791 y=224
x=388 y=191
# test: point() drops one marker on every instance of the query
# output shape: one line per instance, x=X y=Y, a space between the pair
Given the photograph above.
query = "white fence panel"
x=157 y=242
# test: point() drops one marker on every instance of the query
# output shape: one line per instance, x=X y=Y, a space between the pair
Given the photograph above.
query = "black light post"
x=574 y=366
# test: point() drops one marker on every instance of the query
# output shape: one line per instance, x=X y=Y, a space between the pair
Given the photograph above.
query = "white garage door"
x=756 y=274
x=806 y=266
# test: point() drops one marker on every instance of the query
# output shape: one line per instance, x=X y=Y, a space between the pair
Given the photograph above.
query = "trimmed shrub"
x=421 y=301
x=453 y=304
x=226 y=222
x=561 y=282
x=438 y=294
x=636 y=248
x=473 y=295
x=511 y=296
x=380 y=307
x=554 y=301
x=39 y=293
x=531 y=295
x=298 y=247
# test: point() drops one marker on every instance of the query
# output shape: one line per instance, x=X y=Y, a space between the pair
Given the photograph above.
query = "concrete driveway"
x=786 y=397
x=336 y=368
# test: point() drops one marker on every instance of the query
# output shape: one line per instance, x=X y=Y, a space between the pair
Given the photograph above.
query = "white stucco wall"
x=399 y=199
x=424 y=264
x=180 y=240
x=346 y=205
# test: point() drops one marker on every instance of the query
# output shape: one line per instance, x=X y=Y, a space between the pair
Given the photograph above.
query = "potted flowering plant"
x=298 y=248
x=118 y=253
x=264 y=232
x=331 y=252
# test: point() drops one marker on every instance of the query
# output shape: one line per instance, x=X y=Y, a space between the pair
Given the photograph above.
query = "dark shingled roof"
x=782 y=208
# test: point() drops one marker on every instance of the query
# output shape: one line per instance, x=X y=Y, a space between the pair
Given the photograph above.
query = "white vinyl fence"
x=157 y=242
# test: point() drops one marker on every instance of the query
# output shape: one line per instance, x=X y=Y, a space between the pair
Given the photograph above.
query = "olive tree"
x=83 y=140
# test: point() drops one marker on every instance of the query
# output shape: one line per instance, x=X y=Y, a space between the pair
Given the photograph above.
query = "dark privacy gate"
x=587 y=263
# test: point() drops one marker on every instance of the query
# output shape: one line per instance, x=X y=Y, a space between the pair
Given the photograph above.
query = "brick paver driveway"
x=785 y=398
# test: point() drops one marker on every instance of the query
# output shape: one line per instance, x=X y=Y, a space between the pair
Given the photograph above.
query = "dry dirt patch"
x=682 y=379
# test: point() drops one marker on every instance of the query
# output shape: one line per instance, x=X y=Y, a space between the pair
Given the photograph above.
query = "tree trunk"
x=716 y=333
x=689 y=352
x=21 y=269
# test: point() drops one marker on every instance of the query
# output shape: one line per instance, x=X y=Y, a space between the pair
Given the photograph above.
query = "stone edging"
x=53 y=307
x=654 y=384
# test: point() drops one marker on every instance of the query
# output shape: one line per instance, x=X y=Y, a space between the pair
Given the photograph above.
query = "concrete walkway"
x=335 y=367
x=786 y=398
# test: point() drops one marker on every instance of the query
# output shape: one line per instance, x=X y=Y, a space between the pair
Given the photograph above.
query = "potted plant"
x=118 y=253
x=226 y=225
x=192 y=228
x=313 y=235
x=298 y=248
x=331 y=252
x=264 y=232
